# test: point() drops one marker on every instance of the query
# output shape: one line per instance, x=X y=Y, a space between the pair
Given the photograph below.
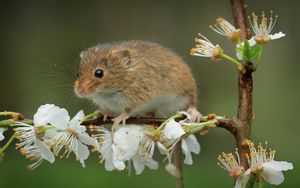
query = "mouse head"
x=103 y=69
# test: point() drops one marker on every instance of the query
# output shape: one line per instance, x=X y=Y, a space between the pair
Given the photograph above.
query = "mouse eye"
x=99 y=73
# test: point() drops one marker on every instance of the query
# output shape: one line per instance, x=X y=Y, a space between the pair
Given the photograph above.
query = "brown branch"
x=225 y=123
x=178 y=163
x=245 y=88
x=240 y=18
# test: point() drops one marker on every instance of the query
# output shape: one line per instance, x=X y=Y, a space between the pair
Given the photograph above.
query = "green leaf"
x=239 y=49
x=254 y=52
x=247 y=51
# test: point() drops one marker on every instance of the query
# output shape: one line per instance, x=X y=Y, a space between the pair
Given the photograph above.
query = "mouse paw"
x=103 y=114
x=120 y=119
x=195 y=115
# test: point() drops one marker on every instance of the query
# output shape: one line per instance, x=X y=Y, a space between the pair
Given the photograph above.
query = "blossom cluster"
x=261 y=165
x=137 y=143
x=54 y=133
x=262 y=35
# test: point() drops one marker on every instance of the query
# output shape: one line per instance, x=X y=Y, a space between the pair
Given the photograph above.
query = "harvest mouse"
x=136 y=78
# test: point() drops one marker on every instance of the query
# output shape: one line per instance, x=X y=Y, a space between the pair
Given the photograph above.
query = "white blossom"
x=32 y=141
x=262 y=31
x=262 y=164
x=205 y=48
x=232 y=164
x=124 y=145
x=223 y=27
x=262 y=161
x=71 y=136
x=173 y=133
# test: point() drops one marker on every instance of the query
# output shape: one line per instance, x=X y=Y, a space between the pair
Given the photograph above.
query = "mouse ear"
x=124 y=57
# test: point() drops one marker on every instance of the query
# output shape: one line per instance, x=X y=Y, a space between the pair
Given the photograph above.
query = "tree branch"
x=245 y=87
x=225 y=123
x=178 y=163
x=240 y=18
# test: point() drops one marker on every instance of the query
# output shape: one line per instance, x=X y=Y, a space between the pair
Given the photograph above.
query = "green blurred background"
x=40 y=46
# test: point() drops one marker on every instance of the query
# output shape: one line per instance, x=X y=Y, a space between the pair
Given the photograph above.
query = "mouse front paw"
x=103 y=113
x=120 y=119
x=195 y=115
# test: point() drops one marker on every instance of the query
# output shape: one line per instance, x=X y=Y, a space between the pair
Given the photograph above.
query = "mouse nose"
x=82 y=89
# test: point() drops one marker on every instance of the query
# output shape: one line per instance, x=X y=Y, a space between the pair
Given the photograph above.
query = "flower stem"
x=195 y=128
x=261 y=182
x=7 y=143
x=87 y=117
x=11 y=123
x=237 y=63
x=6 y=113
x=251 y=181
x=261 y=47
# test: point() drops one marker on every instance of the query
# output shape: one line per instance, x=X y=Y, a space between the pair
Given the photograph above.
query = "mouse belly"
x=111 y=104
x=162 y=106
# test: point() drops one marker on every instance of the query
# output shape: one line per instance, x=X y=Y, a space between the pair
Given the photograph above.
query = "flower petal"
x=239 y=56
x=106 y=151
x=185 y=149
x=173 y=130
x=153 y=165
x=87 y=140
x=79 y=116
x=75 y=126
x=127 y=140
x=242 y=181
x=50 y=133
x=1 y=134
x=278 y=165
x=172 y=169
x=193 y=144
x=51 y=114
x=120 y=165
x=187 y=120
x=162 y=149
x=138 y=164
x=45 y=151
x=108 y=164
x=272 y=177
x=277 y=36
x=252 y=41
x=83 y=153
